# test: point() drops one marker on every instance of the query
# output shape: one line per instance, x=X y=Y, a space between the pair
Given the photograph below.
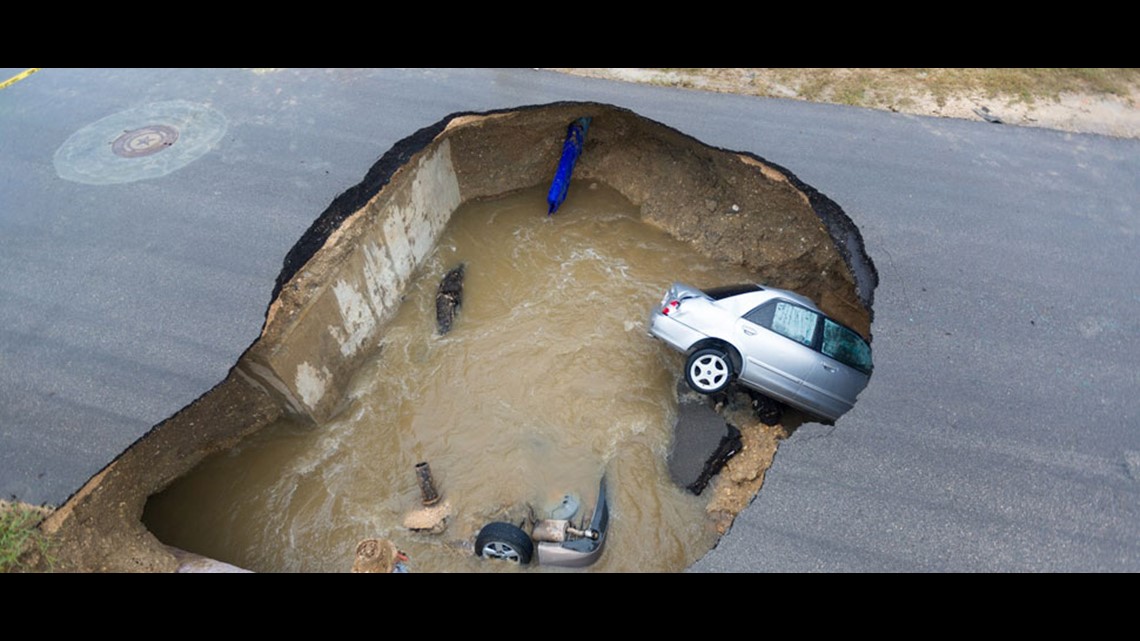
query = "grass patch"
x=22 y=546
x=887 y=87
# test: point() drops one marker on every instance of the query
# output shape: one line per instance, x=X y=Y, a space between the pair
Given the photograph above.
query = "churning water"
x=546 y=381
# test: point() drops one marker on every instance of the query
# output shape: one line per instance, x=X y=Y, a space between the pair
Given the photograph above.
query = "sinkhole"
x=546 y=381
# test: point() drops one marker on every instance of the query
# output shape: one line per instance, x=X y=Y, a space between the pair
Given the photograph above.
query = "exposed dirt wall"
x=99 y=529
x=732 y=205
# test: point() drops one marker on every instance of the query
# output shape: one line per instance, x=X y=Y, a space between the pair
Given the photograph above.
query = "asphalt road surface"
x=1000 y=429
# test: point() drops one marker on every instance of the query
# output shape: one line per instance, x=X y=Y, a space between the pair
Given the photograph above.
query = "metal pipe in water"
x=427 y=485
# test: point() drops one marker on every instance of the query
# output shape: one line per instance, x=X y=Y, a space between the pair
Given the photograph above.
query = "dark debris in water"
x=448 y=299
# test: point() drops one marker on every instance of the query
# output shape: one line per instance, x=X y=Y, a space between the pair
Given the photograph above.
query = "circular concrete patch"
x=145 y=142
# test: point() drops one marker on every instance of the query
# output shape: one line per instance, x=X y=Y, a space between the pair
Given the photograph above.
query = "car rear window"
x=728 y=291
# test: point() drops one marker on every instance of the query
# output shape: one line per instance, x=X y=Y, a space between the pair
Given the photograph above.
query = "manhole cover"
x=144 y=141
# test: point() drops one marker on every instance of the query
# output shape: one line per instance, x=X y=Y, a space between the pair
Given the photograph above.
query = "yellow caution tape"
x=18 y=77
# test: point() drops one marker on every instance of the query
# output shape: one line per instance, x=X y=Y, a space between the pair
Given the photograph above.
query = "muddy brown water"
x=546 y=381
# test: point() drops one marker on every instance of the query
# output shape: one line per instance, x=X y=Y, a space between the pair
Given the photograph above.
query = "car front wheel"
x=708 y=370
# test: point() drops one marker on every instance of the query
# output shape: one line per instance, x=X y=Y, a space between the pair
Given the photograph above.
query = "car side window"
x=786 y=319
x=762 y=315
x=795 y=322
x=845 y=346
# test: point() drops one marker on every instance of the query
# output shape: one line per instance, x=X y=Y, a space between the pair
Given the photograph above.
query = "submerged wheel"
x=504 y=541
x=708 y=370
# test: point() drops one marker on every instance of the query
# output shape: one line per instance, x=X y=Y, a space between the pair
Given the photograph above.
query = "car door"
x=841 y=371
x=775 y=344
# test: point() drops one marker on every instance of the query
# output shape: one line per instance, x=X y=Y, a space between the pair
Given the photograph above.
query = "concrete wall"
x=330 y=315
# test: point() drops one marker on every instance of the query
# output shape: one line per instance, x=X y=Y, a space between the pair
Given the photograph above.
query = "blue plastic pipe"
x=571 y=149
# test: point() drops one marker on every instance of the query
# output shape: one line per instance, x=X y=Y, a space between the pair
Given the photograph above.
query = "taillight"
x=672 y=304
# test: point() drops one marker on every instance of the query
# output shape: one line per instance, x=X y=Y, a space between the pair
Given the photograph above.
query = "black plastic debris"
x=448 y=299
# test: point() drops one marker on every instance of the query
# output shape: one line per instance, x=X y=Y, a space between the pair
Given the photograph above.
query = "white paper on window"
x=794 y=322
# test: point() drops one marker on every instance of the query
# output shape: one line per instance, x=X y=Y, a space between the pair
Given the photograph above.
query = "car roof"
x=742 y=303
x=794 y=297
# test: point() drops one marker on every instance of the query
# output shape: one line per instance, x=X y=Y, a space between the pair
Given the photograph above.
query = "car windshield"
x=846 y=346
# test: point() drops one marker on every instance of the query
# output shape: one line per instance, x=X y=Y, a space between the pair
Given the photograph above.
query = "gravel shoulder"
x=1078 y=112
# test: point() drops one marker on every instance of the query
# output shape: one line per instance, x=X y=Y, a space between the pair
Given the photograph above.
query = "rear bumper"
x=673 y=332
x=579 y=553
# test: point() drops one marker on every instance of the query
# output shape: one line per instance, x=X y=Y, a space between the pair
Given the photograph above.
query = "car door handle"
x=750 y=332
x=828 y=367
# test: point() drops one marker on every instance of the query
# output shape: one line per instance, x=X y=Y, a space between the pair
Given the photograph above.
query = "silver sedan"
x=772 y=340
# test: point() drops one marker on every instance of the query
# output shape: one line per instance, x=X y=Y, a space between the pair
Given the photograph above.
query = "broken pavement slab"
x=696 y=435
x=700 y=428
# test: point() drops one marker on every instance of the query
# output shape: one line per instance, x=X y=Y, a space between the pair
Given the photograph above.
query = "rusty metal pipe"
x=427 y=485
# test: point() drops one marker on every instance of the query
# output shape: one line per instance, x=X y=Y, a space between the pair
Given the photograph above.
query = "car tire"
x=708 y=370
x=504 y=541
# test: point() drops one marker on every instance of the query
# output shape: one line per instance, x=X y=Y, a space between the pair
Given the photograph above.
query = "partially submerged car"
x=557 y=540
x=771 y=340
